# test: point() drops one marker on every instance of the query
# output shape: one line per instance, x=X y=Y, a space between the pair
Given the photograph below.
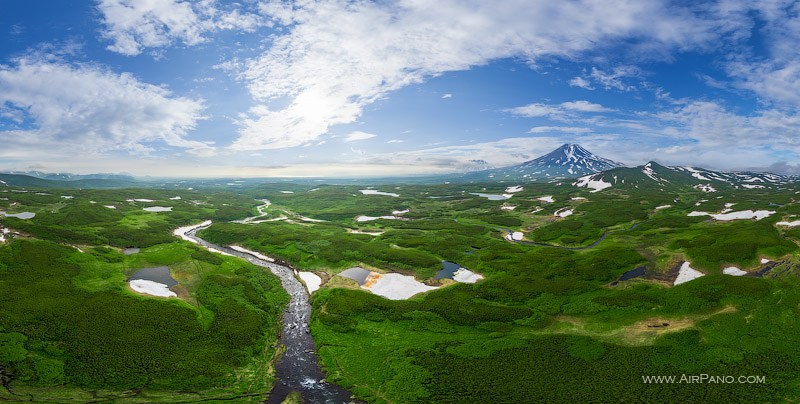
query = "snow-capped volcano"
x=568 y=161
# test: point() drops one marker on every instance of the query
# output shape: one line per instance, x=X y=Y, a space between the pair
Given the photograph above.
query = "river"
x=297 y=369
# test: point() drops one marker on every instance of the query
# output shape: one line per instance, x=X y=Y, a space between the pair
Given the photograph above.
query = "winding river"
x=298 y=369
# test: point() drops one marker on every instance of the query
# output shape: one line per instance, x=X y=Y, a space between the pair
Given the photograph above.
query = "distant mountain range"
x=78 y=181
x=569 y=162
x=73 y=177
x=657 y=177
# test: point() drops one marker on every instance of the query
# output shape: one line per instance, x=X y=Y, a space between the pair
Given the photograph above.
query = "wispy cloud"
x=448 y=95
x=358 y=135
x=331 y=62
x=563 y=111
x=563 y=129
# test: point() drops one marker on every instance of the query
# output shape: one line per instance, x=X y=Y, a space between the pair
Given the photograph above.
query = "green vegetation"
x=546 y=324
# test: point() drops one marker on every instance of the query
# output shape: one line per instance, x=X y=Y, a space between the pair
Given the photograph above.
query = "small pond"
x=357 y=274
x=23 y=215
x=155 y=274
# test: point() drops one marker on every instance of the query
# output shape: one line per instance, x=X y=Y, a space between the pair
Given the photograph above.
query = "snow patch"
x=733 y=271
x=376 y=192
x=181 y=231
x=514 y=189
x=765 y=261
x=546 y=198
x=158 y=209
x=395 y=286
x=151 y=288
x=312 y=281
x=253 y=253
x=464 y=275
x=789 y=224
x=596 y=185
x=364 y=218
x=705 y=188
x=515 y=236
x=743 y=214
x=564 y=212
x=663 y=207
x=686 y=274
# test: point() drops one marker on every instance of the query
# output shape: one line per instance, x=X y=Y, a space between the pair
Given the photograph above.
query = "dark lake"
x=156 y=274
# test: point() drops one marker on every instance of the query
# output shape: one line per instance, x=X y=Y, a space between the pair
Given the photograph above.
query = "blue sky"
x=353 y=88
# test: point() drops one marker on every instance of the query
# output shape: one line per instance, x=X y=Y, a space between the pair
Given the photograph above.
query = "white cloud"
x=88 y=109
x=332 y=62
x=581 y=82
x=132 y=25
x=564 y=129
x=563 y=111
x=395 y=141
x=358 y=135
x=448 y=95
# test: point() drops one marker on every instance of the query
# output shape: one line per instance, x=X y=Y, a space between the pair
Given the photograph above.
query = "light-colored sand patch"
x=765 y=261
x=251 y=252
x=733 y=271
x=563 y=212
x=376 y=192
x=464 y=275
x=181 y=231
x=312 y=281
x=743 y=214
x=546 y=198
x=158 y=209
x=151 y=288
x=686 y=274
x=663 y=207
x=139 y=200
x=395 y=286
x=514 y=189
x=789 y=224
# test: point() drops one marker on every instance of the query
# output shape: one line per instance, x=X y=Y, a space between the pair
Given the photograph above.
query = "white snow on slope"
x=686 y=274
x=375 y=192
x=733 y=271
x=588 y=182
x=251 y=252
x=514 y=189
x=181 y=231
x=395 y=286
x=743 y=214
x=151 y=288
x=311 y=280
